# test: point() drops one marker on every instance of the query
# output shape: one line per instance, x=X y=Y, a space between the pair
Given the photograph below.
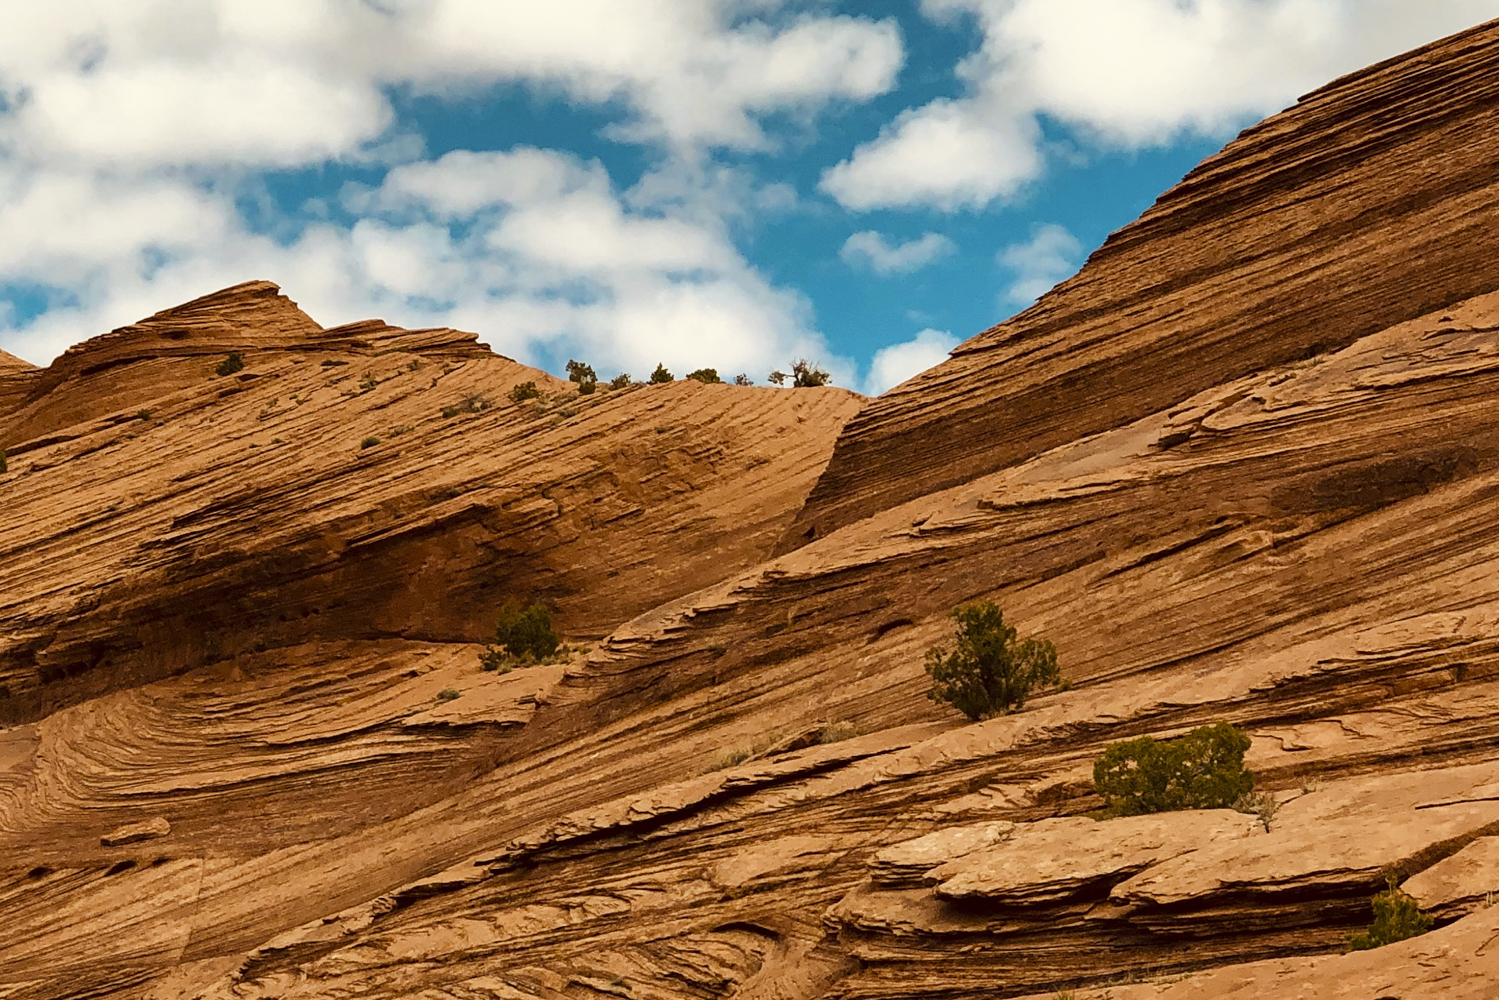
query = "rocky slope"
x=1367 y=204
x=225 y=627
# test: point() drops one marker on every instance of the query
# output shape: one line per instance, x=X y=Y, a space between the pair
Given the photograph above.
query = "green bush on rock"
x=1201 y=770
x=1396 y=917
x=992 y=670
x=521 y=638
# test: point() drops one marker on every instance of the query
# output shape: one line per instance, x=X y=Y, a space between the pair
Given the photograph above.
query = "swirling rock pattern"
x=1263 y=488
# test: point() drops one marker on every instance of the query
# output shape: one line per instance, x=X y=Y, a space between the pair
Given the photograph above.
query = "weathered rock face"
x=1367 y=204
x=16 y=380
x=1296 y=532
x=257 y=509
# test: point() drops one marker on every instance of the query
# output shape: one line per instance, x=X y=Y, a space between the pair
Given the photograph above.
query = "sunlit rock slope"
x=225 y=625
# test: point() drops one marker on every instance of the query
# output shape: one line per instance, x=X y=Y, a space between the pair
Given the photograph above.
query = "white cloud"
x=1128 y=73
x=948 y=154
x=894 y=364
x=129 y=130
x=870 y=249
x=285 y=82
x=554 y=264
x=1051 y=254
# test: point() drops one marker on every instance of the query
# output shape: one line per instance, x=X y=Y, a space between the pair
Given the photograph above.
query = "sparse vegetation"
x=521 y=638
x=369 y=442
x=804 y=374
x=523 y=391
x=1201 y=770
x=743 y=379
x=447 y=694
x=661 y=375
x=475 y=403
x=1396 y=918
x=992 y=670
x=582 y=374
x=368 y=382
x=835 y=732
x=707 y=376
x=330 y=363
x=620 y=381
x=230 y=365
x=143 y=415
x=729 y=758
x=1261 y=804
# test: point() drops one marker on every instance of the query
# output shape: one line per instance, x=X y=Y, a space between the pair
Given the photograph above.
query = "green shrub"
x=578 y=372
x=1396 y=917
x=620 y=381
x=1201 y=770
x=707 y=376
x=230 y=365
x=992 y=670
x=369 y=442
x=587 y=388
x=661 y=375
x=804 y=374
x=143 y=415
x=520 y=638
x=524 y=391
x=447 y=694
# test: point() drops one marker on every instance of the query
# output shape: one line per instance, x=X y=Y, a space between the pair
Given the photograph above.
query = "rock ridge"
x=1228 y=273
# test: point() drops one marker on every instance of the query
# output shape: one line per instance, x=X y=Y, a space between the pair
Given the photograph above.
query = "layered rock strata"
x=743 y=791
x=361 y=482
x=1365 y=205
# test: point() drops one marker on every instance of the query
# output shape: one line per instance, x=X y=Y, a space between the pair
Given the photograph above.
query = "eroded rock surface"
x=1224 y=492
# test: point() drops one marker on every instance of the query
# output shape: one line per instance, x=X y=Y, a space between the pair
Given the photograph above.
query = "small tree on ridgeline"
x=1201 y=770
x=708 y=376
x=804 y=375
x=991 y=670
x=582 y=374
x=661 y=375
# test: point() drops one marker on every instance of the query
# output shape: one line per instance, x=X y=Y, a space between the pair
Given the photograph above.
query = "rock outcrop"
x=244 y=621
x=360 y=482
x=1365 y=205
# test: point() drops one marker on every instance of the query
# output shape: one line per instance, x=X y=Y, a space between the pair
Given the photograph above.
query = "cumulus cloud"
x=870 y=249
x=552 y=263
x=1127 y=73
x=1050 y=255
x=285 y=82
x=133 y=135
x=894 y=364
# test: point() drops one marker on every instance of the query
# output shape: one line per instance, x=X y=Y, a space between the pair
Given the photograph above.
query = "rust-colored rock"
x=233 y=612
x=1365 y=205
x=134 y=833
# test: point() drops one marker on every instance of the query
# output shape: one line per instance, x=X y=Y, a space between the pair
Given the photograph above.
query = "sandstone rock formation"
x=1263 y=488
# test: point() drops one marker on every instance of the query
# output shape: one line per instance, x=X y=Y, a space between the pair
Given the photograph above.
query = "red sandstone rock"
x=1224 y=491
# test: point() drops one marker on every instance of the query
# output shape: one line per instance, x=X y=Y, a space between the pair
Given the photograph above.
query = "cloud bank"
x=1123 y=73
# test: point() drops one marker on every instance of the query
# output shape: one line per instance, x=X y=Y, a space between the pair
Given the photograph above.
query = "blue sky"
x=723 y=183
